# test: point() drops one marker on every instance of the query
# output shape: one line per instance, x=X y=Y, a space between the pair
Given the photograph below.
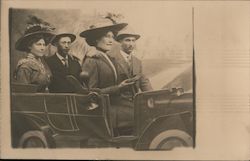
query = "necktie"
x=129 y=64
x=65 y=60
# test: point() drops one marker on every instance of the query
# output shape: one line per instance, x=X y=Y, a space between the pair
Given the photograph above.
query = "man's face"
x=63 y=45
x=128 y=44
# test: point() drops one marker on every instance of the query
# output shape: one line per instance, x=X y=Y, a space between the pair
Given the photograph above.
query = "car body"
x=163 y=120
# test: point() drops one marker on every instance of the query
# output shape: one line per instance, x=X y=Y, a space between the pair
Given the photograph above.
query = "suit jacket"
x=59 y=83
x=125 y=71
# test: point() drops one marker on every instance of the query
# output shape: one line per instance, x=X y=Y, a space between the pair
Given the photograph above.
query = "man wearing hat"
x=128 y=65
x=62 y=64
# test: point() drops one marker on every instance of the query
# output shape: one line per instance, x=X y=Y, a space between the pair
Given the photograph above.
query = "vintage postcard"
x=147 y=80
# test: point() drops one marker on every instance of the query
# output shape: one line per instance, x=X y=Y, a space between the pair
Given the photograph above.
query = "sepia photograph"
x=91 y=79
x=129 y=80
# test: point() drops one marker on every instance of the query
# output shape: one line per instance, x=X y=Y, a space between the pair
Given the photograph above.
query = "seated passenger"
x=128 y=64
x=62 y=64
x=33 y=69
x=102 y=70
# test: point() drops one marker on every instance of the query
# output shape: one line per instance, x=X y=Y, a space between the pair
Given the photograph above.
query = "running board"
x=123 y=138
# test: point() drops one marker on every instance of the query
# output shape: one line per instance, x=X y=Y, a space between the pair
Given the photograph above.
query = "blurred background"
x=165 y=46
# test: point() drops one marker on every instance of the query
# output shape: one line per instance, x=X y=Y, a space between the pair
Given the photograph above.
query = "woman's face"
x=105 y=43
x=38 y=48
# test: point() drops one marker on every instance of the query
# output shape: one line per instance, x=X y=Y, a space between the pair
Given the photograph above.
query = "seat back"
x=23 y=88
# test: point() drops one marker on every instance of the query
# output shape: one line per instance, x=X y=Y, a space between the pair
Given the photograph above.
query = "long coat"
x=59 y=83
x=102 y=75
x=100 y=72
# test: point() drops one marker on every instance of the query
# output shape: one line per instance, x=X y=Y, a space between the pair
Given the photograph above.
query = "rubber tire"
x=172 y=123
x=38 y=135
x=179 y=135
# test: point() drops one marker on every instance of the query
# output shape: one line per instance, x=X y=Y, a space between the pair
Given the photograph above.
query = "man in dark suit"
x=129 y=65
x=62 y=64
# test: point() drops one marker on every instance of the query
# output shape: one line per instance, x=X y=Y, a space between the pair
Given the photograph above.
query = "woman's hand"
x=125 y=83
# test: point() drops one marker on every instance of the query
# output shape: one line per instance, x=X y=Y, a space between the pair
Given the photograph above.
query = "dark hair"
x=34 y=39
x=91 y=40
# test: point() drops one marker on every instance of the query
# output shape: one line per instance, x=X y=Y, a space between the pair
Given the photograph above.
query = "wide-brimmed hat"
x=34 y=28
x=58 y=36
x=102 y=25
x=127 y=32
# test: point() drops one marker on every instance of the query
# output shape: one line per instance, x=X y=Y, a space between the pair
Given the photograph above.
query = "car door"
x=58 y=109
x=91 y=114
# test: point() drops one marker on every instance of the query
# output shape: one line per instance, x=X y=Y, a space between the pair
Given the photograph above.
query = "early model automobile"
x=163 y=120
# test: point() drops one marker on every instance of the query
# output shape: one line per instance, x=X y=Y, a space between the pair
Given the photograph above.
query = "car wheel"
x=169 y=139
x=33 y=139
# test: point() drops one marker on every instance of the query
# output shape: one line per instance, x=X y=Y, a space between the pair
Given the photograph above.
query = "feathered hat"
x=103 y=24
x=35 y=26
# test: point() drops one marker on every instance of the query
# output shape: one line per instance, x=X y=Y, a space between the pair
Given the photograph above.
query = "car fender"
x=29 y=122
x=165 y=122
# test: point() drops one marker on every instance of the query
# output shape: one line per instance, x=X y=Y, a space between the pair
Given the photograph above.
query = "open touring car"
x=163 y=120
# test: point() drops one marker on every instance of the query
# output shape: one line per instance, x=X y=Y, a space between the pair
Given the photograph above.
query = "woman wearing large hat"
x=32 y=69
x=101 y=68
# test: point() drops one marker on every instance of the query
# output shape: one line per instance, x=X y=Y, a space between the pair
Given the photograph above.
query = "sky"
x=166 y=31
